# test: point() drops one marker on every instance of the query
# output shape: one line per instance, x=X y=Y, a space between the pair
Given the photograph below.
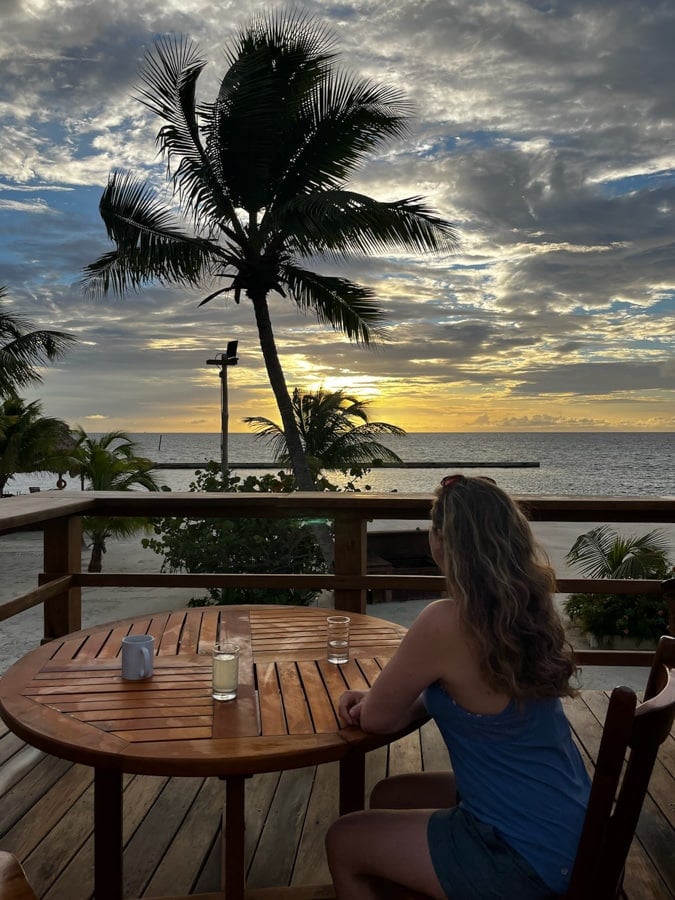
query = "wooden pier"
x=418 y=464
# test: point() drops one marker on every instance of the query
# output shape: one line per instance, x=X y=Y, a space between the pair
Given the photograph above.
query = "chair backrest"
x=614 y=805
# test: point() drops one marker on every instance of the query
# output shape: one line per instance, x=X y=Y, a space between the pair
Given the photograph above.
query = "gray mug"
x=137 y=656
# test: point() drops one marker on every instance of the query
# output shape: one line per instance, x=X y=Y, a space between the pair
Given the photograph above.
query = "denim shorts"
x=473 y=863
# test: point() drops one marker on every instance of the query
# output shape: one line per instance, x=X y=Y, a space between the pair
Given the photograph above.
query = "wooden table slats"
x=272 y=717
x=370 y=668
x=69 y=699
x=286 y=686
x=321 y=709
x=110 y=648
x=298 y=719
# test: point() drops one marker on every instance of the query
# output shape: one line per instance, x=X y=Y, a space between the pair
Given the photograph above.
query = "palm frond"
x=23 y=348
x=110 y=462
x=343 y=121
x=343 y=223
x=275 y=437
x=603 y=553
x=169 y=76
x=151 y=245
x=274 y=66
x=29 y=441
x=337 y=302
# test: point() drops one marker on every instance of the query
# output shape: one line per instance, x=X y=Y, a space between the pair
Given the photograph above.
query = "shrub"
x=643 y=617
x=241 y=545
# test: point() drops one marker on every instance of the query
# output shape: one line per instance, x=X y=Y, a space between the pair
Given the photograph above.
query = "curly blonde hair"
x=503 y=584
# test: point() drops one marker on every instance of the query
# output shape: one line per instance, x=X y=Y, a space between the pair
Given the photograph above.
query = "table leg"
x=352 y=782
x=234 y=863
x=107 y=834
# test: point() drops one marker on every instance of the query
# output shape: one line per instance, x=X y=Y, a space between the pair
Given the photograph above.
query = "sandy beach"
x=21 y=560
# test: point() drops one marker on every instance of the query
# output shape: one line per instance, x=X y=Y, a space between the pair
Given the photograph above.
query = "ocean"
x=597 y=463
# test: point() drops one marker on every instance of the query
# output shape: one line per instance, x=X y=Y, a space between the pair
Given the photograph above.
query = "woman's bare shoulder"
x=438 y=611
x=439 y=618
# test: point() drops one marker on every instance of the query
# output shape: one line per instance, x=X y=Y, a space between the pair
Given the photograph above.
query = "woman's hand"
x=350 y=705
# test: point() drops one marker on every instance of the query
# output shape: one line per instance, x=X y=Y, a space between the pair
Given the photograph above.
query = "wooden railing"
x=59 y=516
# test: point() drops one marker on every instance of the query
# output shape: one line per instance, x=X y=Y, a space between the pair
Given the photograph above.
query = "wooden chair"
x=615 y=804
x=13 y=882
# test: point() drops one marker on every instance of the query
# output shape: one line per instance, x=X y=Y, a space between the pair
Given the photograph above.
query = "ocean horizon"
x=569 y=463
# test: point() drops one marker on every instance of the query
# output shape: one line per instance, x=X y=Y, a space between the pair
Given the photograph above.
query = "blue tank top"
x=520 y=772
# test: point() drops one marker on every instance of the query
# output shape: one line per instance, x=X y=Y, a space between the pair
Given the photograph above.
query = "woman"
x=489 y=665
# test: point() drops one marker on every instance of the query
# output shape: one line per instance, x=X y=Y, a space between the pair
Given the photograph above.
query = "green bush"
x=241 y=545
x=643 y=617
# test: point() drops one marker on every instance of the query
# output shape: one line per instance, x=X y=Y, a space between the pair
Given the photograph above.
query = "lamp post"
x=228 y=358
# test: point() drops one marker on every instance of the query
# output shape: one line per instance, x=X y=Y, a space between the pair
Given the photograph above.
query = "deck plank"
x=274 y=861
x=172 y=826
x=179 y=867
x=311 y=866
x=148 y=845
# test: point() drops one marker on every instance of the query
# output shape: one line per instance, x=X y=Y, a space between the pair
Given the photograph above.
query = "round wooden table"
x=68 y=699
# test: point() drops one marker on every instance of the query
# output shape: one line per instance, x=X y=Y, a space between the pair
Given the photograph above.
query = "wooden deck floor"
x=172 y=825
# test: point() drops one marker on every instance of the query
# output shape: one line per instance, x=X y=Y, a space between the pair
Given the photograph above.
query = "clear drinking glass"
x=225 y=670
x=338 y=639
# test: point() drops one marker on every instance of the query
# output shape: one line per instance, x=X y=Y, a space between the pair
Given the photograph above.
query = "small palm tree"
x=23 y=347
x=260 y=175
x=110 y=463
x=29 y=441
x=335 y=431
x=603 y=553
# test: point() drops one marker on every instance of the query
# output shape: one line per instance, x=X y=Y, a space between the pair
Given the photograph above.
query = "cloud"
x=544 y=130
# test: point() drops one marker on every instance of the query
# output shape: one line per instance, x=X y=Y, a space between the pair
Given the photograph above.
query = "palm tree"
x=603 y=553
x=29 y=441
x=110 y=463
x=335 y=431
x=23 y=347
x=260 y=175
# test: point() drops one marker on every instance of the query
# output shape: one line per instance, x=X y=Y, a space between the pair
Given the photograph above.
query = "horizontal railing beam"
x=328 y=582
x=613 y=658
x=34 y=598
x=33 y=509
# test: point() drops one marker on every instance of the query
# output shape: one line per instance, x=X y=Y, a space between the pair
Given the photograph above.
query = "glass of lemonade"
x=225 y=670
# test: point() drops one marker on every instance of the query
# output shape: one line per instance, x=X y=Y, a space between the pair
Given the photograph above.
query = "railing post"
x=351 y=536
x=62 y=555
x=668 y=591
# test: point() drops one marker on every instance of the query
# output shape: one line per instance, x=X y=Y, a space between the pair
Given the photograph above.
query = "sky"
x=544 y=130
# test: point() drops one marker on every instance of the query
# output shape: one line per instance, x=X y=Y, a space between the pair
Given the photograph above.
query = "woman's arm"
x=395 y=699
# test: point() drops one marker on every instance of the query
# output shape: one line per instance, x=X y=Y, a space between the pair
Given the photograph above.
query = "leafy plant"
x=29 y=441
x=335 y=431
x=24 y=349
x=603 y=553
x=241 y=545
x=110 y=463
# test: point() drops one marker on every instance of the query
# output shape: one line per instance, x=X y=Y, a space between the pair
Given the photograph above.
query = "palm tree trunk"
x=96 y=559
x=296 y=453
x=275 y=373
